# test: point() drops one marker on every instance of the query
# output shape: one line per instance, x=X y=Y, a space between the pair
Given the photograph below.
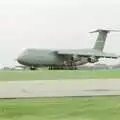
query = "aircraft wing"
x=87 y=53
x=108 y=55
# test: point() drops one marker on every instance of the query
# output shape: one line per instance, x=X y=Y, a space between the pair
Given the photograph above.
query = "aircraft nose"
x=19 y=59
x=23 y=57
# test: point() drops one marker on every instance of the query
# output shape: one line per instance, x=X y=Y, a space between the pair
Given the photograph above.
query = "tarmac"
x=59 y=88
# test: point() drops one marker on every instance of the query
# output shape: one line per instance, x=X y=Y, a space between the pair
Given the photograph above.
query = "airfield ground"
x=62 y=108
x=67 y=108
x=58 y=74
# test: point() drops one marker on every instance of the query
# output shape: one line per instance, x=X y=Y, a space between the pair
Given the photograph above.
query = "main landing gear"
x=62 y=67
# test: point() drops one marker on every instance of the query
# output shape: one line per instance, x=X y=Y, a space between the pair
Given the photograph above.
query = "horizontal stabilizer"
x=104 y=30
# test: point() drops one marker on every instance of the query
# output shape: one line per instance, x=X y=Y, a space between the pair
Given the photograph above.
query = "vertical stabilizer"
x=101 y=39
x=102 y=35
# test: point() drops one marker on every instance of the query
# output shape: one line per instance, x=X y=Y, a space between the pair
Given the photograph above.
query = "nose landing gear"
x=33 y=68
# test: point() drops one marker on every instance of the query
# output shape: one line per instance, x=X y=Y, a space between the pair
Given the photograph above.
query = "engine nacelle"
x=92 y=59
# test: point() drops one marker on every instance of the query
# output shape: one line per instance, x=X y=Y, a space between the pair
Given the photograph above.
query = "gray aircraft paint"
x=39 y=57
x=100 y=42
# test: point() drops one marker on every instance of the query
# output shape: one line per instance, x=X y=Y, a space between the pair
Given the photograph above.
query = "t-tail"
x=101 y=39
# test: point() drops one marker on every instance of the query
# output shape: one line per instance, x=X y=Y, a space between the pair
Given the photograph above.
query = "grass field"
x=76 y=108
x=65 y=74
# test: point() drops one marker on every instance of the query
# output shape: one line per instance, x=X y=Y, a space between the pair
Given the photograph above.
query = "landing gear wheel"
x=33 y=68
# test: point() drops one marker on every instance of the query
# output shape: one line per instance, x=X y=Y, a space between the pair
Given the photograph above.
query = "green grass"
x=71 y=108
x=60 y=74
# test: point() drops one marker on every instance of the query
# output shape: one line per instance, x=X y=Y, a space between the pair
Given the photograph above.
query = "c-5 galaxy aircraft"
x=66 y=58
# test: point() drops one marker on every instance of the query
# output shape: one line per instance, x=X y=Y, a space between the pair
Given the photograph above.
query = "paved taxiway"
x=57 y=88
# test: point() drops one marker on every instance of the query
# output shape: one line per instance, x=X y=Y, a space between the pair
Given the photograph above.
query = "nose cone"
x=23 y=58
x=20 y=59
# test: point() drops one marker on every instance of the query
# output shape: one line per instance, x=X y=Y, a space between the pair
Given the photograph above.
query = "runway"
x=58 y=88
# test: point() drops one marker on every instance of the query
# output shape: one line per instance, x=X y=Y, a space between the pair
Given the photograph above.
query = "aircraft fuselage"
x=44 y=57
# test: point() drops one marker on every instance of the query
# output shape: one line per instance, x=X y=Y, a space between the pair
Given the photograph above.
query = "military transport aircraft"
x=66 y=58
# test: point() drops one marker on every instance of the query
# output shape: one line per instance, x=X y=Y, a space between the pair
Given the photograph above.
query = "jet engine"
x=92 y=59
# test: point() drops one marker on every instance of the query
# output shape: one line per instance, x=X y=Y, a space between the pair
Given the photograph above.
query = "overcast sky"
x=55 y=24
